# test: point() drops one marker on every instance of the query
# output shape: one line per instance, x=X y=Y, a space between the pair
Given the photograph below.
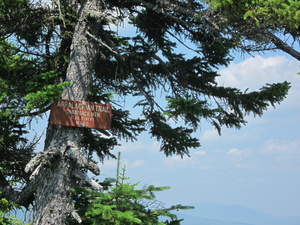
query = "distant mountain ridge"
x=222 y=214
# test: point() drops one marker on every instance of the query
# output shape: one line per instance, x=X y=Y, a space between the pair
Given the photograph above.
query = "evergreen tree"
x=258 y=25
x=72 y=50
x=123 y=203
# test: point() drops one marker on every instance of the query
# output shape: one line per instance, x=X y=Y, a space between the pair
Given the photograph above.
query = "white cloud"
x=200 y=153
x=137 y=163
x=176 y=161
x=210 y=135
x=143 y=144
x=238 y=152
x=132 y=164
x=255 y=72
x=108 y=164
x=281 y=147
x=234 y=152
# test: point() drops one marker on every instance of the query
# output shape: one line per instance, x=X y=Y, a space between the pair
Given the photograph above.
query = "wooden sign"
x=81 y=114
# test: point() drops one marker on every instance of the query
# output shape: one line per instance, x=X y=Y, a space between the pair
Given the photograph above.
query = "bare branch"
x=87 y=179
x=284 y=46
x=40 y=158
x=76 y=216
x=73 y=151
x=102 y=43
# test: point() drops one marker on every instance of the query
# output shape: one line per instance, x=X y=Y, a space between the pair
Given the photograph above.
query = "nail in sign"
x=81 y=114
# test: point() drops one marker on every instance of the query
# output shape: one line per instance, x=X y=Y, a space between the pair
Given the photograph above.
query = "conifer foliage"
x=259 y=25
x=124 y=203
x=72 y=49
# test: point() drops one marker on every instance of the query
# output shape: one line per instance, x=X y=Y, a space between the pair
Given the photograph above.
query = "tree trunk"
x=62 y=159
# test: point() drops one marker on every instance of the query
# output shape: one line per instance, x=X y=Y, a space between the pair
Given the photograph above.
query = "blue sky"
x=257 y=166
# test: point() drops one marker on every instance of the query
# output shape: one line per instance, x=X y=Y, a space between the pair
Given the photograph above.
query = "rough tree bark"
x=53 y=170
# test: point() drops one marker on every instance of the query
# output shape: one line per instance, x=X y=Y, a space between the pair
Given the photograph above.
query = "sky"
x=257 y=166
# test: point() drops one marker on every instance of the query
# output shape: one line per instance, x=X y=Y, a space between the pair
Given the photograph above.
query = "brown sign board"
x=81 y=114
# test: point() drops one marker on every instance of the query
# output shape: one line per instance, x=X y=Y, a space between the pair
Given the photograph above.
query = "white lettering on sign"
x=77 y=113
x=83 y=105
